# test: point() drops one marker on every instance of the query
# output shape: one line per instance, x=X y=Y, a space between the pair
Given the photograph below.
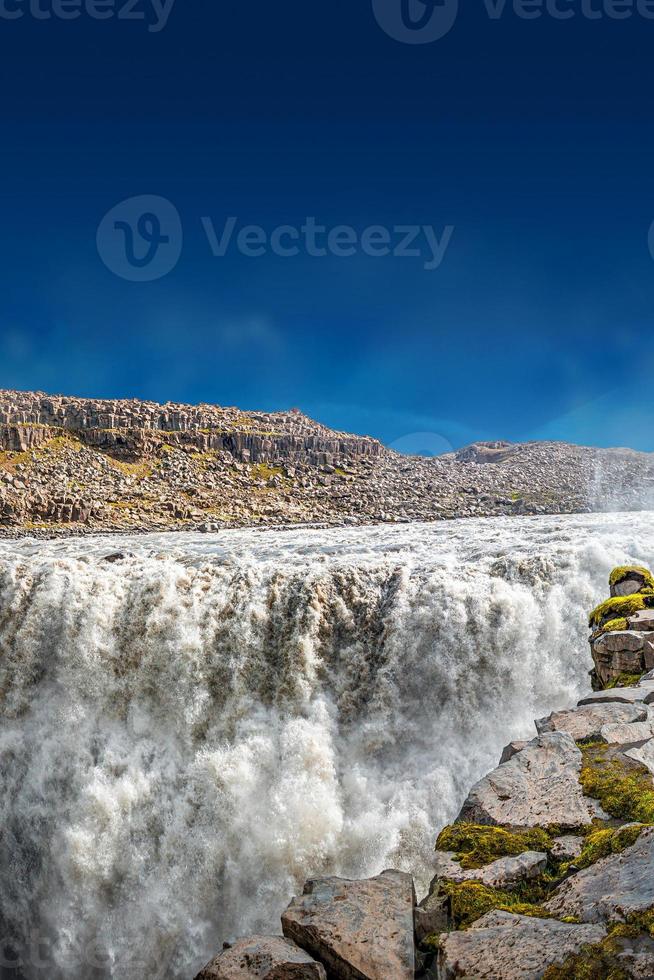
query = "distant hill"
x=78 y=465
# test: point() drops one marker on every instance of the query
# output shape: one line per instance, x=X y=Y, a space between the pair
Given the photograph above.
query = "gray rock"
x=567 y=848
x=628 y=586
x=642 y=620
x=503 y=873
x=621 y=695
x=586 y=722
x=537 y=787
x=613 y=888
x=431 y=916
x=618 y=641
x=358 y=929
x=625 y=734
x=643 y=754
x=512 y=749
x=503 y=946
x=636 y=956
x=263 y=958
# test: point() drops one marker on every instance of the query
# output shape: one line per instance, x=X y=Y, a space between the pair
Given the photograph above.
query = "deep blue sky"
x=533 y=138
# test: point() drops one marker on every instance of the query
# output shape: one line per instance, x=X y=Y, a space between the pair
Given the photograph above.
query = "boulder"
x=360 y=930
x=504 y=946
x=644 y=754
x=512 y=749
x=567 y=848
x=503 y=873
x=636 y=956
x=628 y=586
x=626 y=734
x=586 y=722
x=431 y=916
x=621 y=695
x=536 y=788
x=263 y=958
x=612 y=888
x=641 y=620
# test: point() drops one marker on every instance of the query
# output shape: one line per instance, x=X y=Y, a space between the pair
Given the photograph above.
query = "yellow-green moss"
x=622 y=572
x=469 y=900
x=623 y=680
x=615 y=624
x=476 y=846
x=600 y=843
x=432 y=943
x=600 y=961
x=625 y=791
x=618 y=607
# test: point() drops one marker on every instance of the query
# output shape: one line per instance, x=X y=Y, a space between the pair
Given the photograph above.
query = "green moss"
x=476 y=846
x=622 y=572
x=432 y=943
x=615 y=624
x=624 y=790
x=596 y=962
x=469 y=900
x=600 y=843
x=619 y=607
x=601 y=961
x=623 y=680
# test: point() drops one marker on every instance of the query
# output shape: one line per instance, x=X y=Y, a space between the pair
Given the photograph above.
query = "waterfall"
x=189 y=732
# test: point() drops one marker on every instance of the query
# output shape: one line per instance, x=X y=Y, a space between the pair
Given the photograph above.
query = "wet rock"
x=611 y=889
x=358 y=929
x=263 y=958
x=586 y=722
x=503 y=946
x=537 y=787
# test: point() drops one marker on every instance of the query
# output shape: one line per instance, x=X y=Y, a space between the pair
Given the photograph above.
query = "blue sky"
x=531 y=140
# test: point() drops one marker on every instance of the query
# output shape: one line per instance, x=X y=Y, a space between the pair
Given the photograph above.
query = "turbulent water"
x=189 y=733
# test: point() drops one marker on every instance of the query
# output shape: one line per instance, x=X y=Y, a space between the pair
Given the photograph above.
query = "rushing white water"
x=189 y=733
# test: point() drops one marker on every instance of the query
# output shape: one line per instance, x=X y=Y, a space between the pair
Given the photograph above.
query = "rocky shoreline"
x=78 y=466
x=547 y=872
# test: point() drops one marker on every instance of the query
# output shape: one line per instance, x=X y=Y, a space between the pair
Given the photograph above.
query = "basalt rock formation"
x=75 y=465
x=546 y=873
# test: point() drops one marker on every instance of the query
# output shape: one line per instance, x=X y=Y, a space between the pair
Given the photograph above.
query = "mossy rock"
x=477 y=845
x=620 y=607
x=601 y=843
x=624 y=788
x=600 y=961
x=469 y=900
x=623 y=572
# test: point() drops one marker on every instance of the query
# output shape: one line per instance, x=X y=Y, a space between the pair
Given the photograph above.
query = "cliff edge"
x=74 y=465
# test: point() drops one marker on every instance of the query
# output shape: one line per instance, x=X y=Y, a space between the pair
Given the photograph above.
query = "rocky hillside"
x=547 y=871
x=71 y=464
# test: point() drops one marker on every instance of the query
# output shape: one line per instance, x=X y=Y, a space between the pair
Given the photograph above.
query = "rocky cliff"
x=547 y=871
x=76 y=465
